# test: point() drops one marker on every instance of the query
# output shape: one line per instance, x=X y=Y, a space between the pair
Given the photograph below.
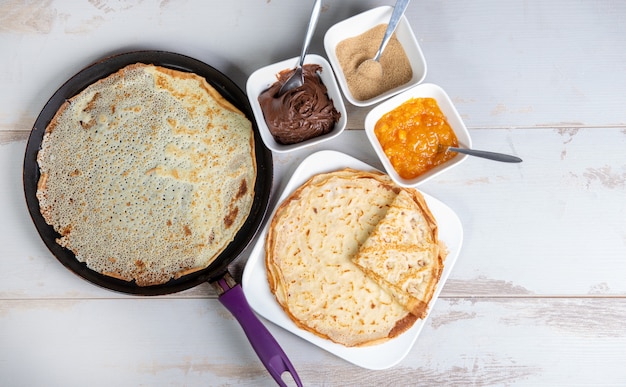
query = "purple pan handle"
x=264 y=344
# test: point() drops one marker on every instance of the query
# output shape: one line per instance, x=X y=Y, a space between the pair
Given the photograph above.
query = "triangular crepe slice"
x=402 y=254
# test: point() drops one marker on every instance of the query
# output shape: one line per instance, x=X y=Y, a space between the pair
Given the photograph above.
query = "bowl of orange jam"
x=411 y=132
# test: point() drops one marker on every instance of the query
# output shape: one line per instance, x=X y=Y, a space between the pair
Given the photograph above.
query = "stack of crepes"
x=354 y=258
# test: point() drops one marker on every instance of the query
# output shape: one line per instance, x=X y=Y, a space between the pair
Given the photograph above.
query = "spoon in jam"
x=481 y=153
x=297 y=78
x=371 y=67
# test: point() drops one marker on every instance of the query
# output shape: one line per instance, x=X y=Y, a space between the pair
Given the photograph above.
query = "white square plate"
x=260 y=298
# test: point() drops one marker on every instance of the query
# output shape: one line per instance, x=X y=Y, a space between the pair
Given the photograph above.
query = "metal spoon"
x=297 y=78
x=486 y=154
x=373 y=65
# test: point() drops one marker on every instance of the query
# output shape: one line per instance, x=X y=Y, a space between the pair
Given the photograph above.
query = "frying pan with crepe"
x=229 y=291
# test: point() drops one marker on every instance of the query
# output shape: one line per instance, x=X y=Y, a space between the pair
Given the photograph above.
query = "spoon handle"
x=396 y=15
x=315 y=13
x=487 y=155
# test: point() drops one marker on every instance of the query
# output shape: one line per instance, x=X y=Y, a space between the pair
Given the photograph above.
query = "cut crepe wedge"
x=403 y=254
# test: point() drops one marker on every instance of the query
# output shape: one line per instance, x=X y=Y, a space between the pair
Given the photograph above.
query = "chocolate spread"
x=301 y=113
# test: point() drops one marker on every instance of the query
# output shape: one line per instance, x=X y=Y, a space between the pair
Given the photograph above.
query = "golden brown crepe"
x=312 y=239
x=147 y=174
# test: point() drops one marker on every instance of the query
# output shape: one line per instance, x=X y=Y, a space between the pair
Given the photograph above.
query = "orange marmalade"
x=414 y=136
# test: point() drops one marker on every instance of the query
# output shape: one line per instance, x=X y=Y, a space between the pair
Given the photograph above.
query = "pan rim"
x=98 y=70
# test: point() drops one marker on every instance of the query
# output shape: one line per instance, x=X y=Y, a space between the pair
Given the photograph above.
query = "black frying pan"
x=229 y=291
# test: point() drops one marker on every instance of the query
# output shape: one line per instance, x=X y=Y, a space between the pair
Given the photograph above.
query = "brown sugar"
x=364 y=79
x=370 y=69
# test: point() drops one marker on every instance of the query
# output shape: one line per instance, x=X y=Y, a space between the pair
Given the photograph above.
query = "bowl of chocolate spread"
x=306 y=115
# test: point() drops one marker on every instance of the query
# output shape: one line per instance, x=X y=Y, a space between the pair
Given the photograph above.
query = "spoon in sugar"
x=371 y=68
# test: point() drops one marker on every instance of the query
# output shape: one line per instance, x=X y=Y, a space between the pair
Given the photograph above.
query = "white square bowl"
x=426 y=90
x=263 y=78
x=361 y=23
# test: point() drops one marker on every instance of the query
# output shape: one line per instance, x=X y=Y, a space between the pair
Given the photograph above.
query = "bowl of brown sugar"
x=352 y=43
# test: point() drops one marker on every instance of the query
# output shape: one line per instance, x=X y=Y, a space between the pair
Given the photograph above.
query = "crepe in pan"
x=147 y=174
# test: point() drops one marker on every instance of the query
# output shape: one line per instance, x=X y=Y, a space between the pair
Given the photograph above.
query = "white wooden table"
x=538 y=294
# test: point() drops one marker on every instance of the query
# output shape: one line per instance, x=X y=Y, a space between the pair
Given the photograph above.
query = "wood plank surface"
x=537 y=296
x=505 y=64
x=159 y=342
